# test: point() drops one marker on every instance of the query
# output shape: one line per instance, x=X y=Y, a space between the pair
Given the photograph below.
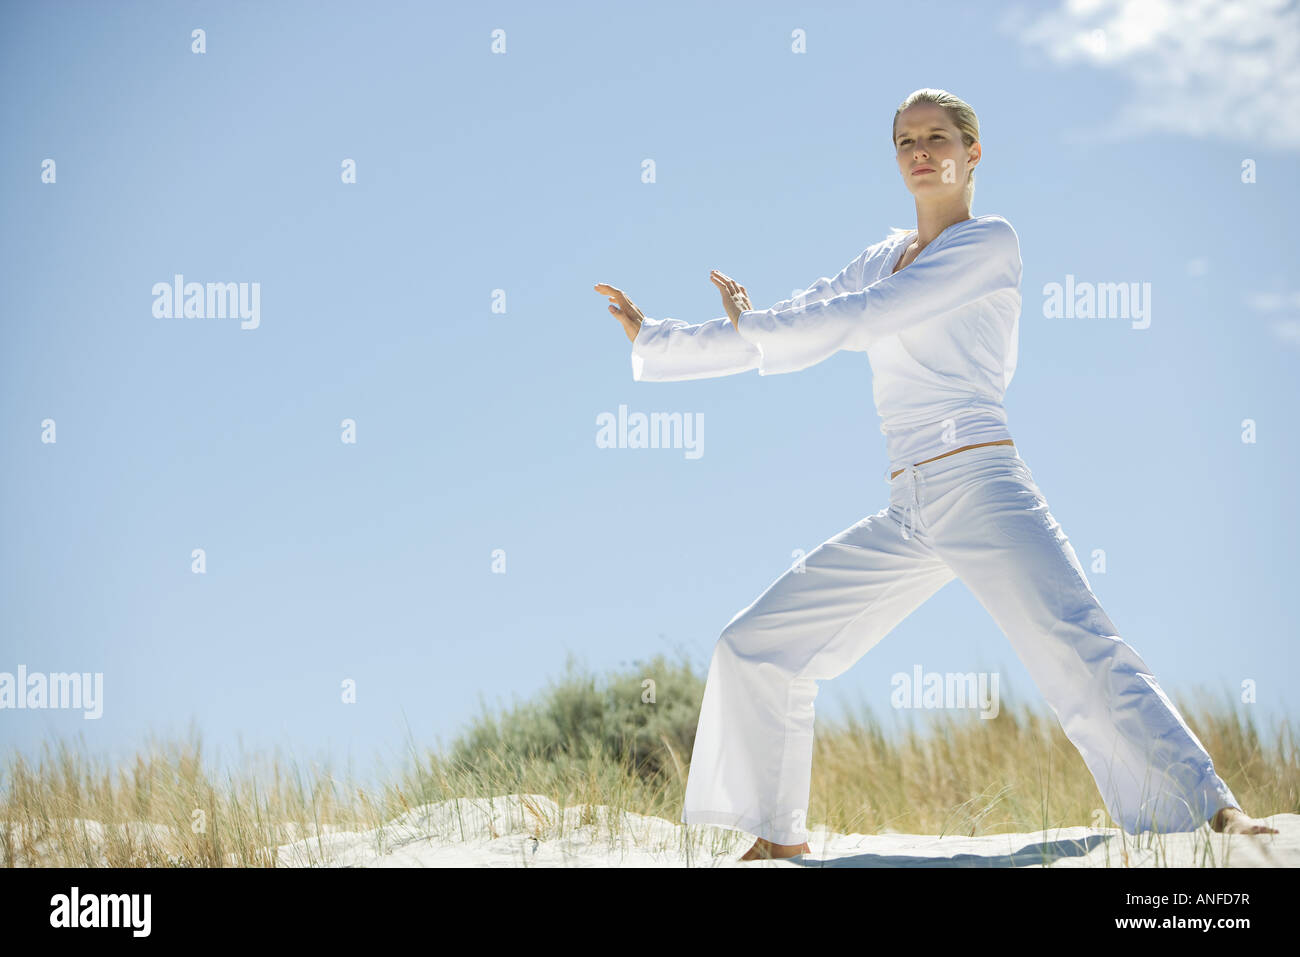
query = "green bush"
x=579 y=717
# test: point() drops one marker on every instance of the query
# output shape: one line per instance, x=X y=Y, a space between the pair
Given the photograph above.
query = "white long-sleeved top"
x=941 y=336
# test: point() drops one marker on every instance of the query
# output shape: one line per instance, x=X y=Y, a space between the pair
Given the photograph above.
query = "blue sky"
x=1117 y=156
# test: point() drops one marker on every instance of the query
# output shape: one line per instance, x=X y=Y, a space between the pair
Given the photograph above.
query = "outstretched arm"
x=975 y=261
x=825 y=288
x=669 y=350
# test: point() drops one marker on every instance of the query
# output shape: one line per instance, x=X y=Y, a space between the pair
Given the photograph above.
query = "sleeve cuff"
x=748 y=335
x=642 y=334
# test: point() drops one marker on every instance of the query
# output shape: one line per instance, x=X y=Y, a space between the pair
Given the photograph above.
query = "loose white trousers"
x=976 y=515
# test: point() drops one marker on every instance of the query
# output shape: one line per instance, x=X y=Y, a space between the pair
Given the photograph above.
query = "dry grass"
x=585 y=742
x=952 y=773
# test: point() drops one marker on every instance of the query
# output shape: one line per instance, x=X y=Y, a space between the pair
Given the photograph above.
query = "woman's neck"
x=932 y=220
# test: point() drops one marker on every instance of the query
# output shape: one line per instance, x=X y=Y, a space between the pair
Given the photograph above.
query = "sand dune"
x=528 y=830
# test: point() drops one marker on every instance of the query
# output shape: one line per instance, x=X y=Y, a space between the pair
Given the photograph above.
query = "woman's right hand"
x=622 y=307
x=734 y=298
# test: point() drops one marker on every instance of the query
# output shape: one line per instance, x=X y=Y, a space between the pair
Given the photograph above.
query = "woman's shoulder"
x=995 y=218
x=986 y=220
x=991 y=228
x=987 y=227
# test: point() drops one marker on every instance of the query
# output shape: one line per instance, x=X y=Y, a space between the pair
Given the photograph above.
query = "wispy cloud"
x=1273 y=301
x=1198 y=67
x=1287 y=329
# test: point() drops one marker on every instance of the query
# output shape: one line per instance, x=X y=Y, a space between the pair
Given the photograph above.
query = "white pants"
x=975 y=515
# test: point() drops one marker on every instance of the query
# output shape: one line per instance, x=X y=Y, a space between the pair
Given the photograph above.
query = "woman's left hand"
x=734 y=298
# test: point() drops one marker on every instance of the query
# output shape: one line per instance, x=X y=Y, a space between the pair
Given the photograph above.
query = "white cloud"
x=1288 y=330
x=1197 y=67
x=1273 y=301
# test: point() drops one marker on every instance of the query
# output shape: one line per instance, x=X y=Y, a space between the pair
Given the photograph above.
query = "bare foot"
x=1233 y=820
x=766 y=850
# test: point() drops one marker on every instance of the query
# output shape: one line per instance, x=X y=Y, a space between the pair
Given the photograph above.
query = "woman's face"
x=930 y=152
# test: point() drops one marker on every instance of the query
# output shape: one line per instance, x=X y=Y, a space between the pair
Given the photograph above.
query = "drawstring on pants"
x=912 y=510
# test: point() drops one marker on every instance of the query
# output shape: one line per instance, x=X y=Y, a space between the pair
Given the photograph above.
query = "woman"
x=936 y=310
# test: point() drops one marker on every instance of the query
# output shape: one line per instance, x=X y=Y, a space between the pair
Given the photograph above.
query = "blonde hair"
x=962 y=117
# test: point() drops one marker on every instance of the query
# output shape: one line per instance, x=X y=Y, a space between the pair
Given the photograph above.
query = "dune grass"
x=617 y=741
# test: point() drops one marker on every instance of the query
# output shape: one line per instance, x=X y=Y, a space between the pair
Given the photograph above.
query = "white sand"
x=528 y=830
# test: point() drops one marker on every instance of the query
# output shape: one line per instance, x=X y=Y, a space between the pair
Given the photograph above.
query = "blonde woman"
x=936 y=309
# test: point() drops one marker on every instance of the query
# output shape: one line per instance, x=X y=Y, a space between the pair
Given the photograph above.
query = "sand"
x=529 y=830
